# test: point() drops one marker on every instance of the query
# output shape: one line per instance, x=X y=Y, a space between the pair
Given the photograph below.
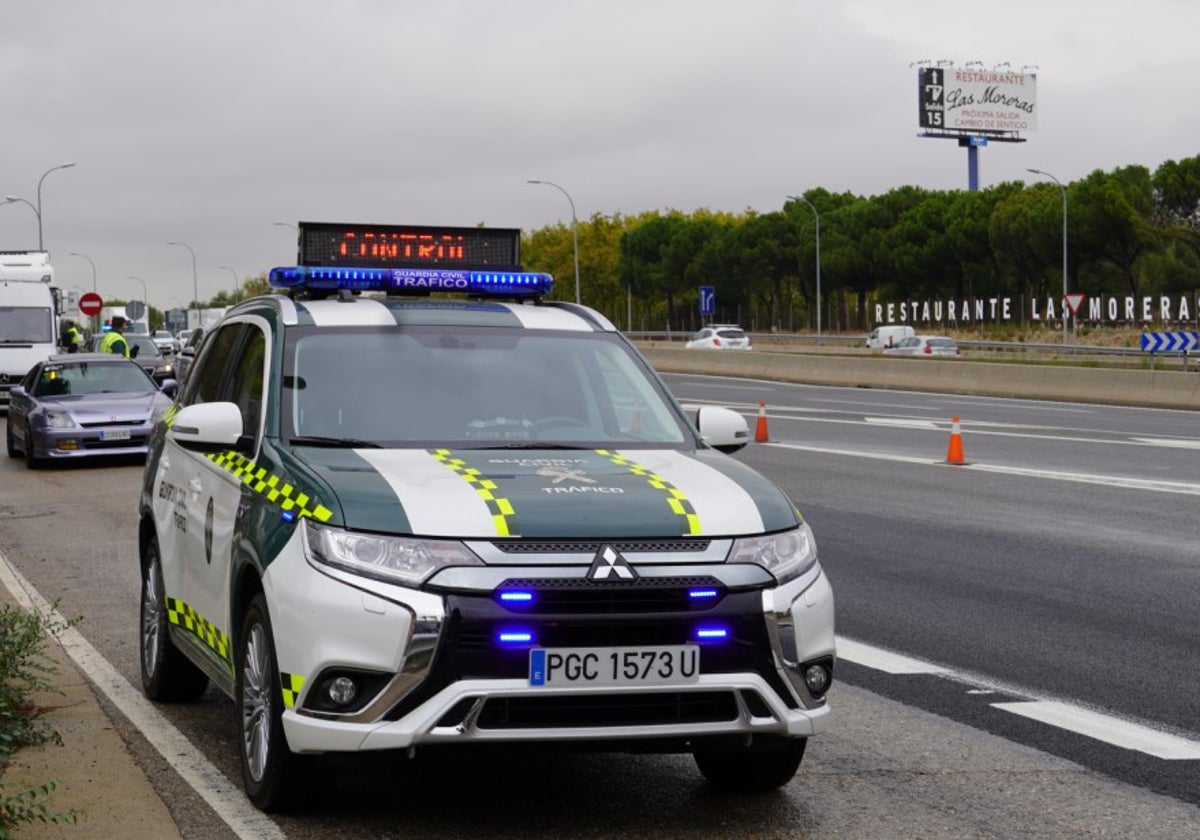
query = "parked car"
x=924 y=345
x=187 y=352
x=721 y=337
x=145 y=352
x=889 y=336
x=165 y=341
x=81 y=405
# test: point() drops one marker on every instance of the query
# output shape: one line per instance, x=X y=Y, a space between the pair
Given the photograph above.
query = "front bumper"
x=437 y=675
x=85 y=442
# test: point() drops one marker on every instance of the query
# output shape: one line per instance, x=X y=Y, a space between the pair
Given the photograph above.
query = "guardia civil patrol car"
x=408 y=501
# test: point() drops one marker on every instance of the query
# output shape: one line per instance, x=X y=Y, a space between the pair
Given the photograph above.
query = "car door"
x=205 y=498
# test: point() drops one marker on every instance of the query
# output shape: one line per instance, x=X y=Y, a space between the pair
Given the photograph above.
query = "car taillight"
x=716 y=342
x=928 y=350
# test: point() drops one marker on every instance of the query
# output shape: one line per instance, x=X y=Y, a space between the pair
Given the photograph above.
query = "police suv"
x=408 y=501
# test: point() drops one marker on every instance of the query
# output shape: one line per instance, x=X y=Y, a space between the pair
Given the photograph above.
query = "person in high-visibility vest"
x=113 y=341
x=74 y=337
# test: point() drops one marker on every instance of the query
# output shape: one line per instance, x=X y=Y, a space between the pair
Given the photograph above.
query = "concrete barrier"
x=1107 y=386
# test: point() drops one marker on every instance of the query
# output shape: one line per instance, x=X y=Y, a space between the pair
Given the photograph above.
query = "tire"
x=31 y=463
x=275 y=778
x=752 y=770
x=167 y=675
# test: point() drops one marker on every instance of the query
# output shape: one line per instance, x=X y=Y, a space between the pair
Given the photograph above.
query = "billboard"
x=970 y=101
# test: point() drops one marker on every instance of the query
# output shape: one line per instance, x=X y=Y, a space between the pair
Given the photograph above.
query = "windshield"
x=91 y=378
x=473 y=387
x=25 y=324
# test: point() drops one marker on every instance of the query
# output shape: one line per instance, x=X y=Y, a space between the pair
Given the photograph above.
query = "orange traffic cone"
x=760 y=430
x=954 y=455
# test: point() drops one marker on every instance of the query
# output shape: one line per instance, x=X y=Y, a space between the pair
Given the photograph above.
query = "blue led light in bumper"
x=516 y=596
x=702 y=594
x=514 y=638
x=712 y=633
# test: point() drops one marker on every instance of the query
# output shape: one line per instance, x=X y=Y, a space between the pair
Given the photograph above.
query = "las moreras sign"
x=1099 y=309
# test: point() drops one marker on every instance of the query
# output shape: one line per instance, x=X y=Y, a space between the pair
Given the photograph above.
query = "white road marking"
x=902 y=422
x=1053 y=475
x=1106 y=728
x=1072 y=717
x=884 y=660
x=1182 y=443
x=227 y=800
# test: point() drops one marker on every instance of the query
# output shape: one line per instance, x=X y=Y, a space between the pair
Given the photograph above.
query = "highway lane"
x=887 y=769
x=1024 y=580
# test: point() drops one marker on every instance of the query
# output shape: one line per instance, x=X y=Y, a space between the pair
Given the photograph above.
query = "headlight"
x=59 y=419
x=405 y=560
x=786 y=555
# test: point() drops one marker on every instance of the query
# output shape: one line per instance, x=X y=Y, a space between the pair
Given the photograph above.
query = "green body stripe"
x=182 y=615
x=266 y=484
x=499 y=507
x=676 y=500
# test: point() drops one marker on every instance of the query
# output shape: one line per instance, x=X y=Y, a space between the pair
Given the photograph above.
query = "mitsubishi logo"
x=610 y=565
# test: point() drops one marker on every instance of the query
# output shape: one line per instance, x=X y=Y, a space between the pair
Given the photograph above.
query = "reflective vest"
x=114 y=342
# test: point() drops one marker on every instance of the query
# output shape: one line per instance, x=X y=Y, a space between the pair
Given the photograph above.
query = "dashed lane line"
x=1099 y=726
x=226 y=799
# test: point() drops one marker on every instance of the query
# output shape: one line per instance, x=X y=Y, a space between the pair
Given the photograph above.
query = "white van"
x=888 y=336
x=29 y=310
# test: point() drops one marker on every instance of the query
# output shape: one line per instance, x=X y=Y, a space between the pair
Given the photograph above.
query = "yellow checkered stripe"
x=182 y=615
x=291 y=685
x=675 y=498
x=501 y=508
x=270 y=486
x=168 y=416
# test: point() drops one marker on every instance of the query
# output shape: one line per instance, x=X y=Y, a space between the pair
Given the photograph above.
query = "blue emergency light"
x=413 y=281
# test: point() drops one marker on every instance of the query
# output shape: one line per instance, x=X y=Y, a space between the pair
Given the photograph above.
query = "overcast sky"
x=207 y=122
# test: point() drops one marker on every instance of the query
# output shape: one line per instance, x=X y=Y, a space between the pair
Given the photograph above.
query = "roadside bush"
x=25 y=670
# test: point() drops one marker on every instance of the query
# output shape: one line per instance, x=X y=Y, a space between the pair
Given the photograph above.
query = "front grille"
x=105 y=424
x=572 y=596
x=135 y=440
x=591 y=547
x=640 y=709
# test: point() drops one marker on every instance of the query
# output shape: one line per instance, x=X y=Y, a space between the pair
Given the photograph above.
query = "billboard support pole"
x=973 y=168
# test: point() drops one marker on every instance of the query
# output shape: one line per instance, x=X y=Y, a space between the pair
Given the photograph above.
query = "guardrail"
x=797 y=340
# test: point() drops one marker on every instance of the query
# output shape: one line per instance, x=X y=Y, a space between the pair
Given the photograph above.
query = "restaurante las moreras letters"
x=1100 y=309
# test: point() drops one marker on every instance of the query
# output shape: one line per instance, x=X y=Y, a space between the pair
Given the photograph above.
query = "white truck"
x=30 y=306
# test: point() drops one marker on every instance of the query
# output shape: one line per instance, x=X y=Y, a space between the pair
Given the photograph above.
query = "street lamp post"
x=195 y=281
x=39 y=198
x=145 y=295
x=13 y=199
x=574 y=229
x=236 y=282
x=818 y=217
x=96 y=318
x=1063 y=190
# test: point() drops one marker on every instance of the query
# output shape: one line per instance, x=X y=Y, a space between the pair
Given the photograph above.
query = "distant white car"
x=888 y=336
x=165 y=342
x=721 y=337
x=923 y=345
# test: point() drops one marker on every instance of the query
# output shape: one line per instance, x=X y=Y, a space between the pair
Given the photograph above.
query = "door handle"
x=195 y=486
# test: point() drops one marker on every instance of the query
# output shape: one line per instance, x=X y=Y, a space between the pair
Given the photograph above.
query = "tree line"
x=1130 y=231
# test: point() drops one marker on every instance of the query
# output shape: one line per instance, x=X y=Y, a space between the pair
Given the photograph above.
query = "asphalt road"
x=1023 y=584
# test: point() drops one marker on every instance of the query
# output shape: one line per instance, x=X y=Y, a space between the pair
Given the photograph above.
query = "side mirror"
x=207 y=427
x=722 y=428
x=170 y=387
x=16 y=391
x=188 y=351
x=133 y=351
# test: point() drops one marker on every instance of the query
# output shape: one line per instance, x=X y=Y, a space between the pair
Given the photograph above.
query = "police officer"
x=74 y=337
x=113 y=341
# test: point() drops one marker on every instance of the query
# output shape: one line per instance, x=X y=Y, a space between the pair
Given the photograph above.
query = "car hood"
x=107 y=408
x=551 y=493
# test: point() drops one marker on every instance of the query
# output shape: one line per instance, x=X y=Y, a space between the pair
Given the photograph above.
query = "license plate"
x=662 y=665
x=115 y=434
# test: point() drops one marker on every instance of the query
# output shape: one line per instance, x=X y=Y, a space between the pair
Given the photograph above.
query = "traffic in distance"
x=508 y=532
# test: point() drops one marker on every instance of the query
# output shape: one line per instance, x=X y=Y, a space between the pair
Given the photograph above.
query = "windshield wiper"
x=347 y=443
x=528 y=445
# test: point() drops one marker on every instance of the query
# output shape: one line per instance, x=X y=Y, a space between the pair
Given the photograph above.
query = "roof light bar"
x=414 y=280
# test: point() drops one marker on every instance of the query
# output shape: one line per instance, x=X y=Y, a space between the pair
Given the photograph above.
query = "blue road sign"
x=708 y=300
x=1170 y=342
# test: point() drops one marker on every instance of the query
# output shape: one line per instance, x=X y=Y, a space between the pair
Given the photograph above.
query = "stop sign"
x=90 y=303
